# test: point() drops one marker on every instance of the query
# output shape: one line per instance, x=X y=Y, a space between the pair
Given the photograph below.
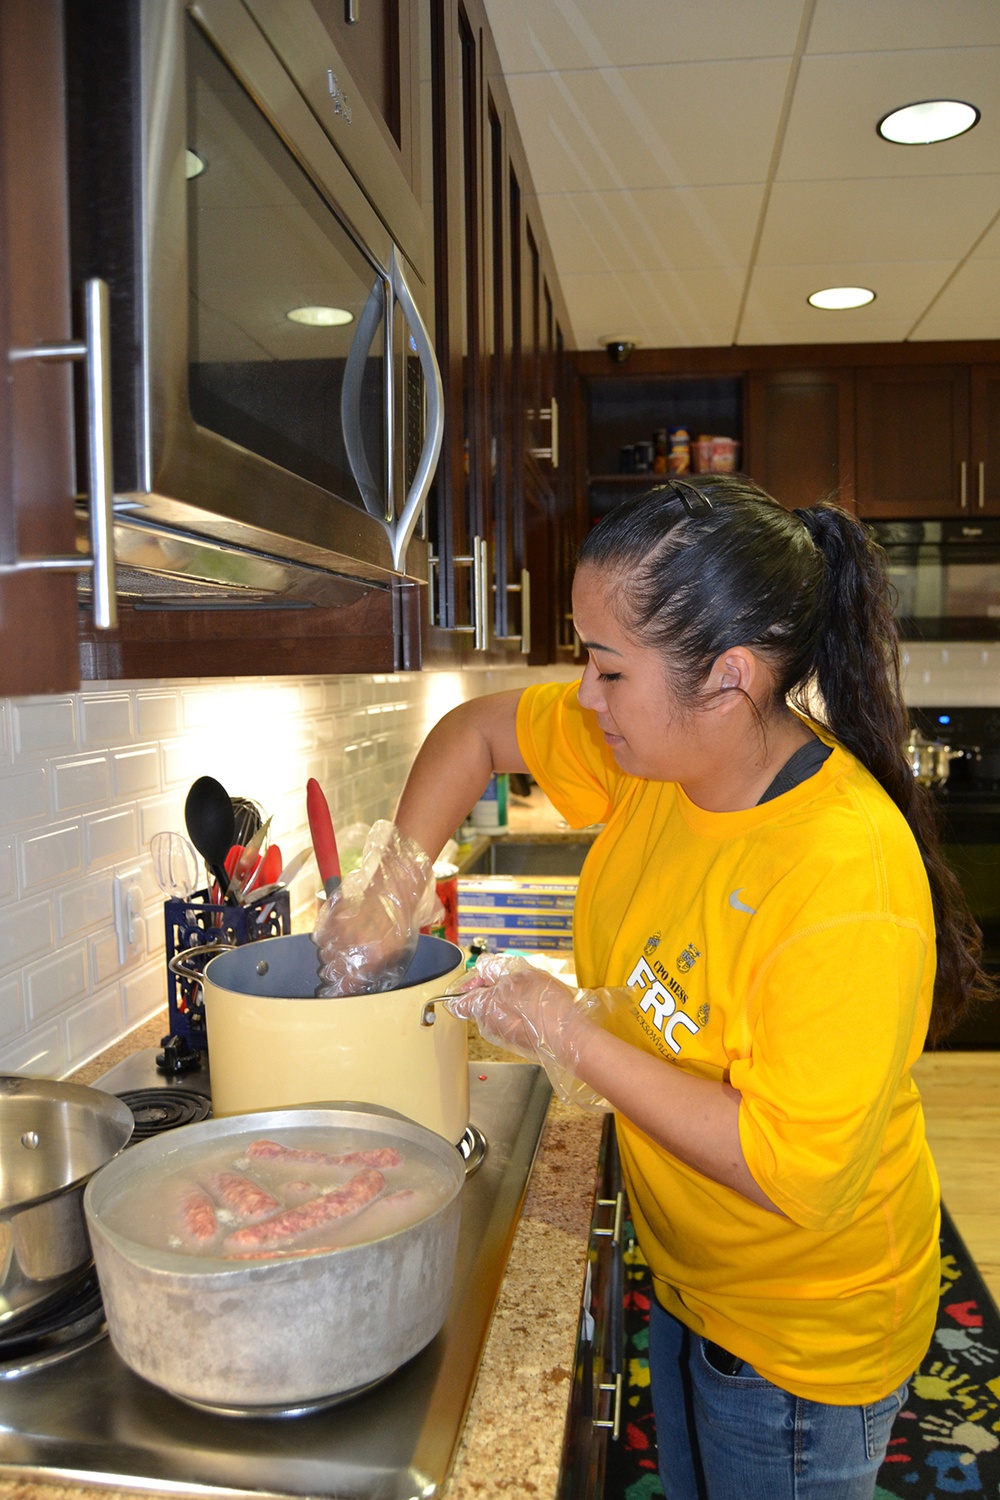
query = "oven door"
x=260 y=309
x=971 y=845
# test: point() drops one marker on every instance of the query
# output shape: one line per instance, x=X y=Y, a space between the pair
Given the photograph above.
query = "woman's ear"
x=734 y=675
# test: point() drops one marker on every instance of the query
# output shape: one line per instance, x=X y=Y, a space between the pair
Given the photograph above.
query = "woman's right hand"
x=367 y=931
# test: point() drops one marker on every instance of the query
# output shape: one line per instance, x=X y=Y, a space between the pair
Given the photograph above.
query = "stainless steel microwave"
x=946 y=577
x=276 y=406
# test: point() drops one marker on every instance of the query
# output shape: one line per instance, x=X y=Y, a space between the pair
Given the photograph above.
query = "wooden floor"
x=961 y=1094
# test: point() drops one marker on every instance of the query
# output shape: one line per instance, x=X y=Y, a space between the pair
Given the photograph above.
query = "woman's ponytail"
x=857 y=677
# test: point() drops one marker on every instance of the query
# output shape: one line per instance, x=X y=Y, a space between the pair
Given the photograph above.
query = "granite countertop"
x=512 y=1440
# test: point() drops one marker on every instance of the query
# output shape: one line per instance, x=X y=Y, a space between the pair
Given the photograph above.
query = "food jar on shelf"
x=701 y=454
x=679 y=457
x=724 y=455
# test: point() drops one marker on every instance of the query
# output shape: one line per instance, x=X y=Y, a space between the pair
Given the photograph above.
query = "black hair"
x=701 y=566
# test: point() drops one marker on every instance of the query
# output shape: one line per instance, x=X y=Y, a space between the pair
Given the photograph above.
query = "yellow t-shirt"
x=789 y=948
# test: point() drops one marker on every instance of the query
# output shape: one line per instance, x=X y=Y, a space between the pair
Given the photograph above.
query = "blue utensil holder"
x=196 y=930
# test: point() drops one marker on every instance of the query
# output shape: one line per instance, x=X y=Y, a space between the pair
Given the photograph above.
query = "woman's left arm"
x=696 y=1119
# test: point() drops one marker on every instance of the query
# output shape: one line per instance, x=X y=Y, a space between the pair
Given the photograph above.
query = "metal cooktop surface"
x=90 y=1420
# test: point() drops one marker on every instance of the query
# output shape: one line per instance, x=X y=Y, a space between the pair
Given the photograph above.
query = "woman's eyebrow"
x=596 y=646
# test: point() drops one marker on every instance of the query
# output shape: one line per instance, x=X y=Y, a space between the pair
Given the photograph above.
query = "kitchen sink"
x=526 y=856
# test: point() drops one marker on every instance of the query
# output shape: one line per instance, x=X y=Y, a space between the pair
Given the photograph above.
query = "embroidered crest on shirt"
x=652 y=943
x=688 y=958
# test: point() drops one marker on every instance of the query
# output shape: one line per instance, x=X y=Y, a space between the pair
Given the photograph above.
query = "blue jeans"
x=738 y=1437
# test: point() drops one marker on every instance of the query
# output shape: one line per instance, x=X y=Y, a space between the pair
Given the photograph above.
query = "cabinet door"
x=800 y=435
x=912 y=441
x=37 y=607
x=984 y=455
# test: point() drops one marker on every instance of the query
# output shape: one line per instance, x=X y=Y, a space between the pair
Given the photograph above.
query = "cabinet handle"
x=963 y=495
x=615 y=1232
x=549 y=414
x=524 y=589
x=616 y=1418
x=478 y=561
x=982 y=485
x=94 y=351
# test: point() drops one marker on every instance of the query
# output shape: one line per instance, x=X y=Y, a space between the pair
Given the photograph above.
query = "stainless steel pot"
x=929 y=760
x=271 y=1043
x=53 y=1137
x=274 y=1336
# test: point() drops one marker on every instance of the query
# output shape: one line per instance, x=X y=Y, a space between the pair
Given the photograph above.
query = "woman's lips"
x=612 y=739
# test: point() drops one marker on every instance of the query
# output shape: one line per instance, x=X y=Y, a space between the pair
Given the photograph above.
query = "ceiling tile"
x=661 y=309
x=777 y=309
x=650 y=127
x=652 y=228
x=969 y=306
x=839 y=101
x=888 y=219
x=892 y=25
x=593 y=34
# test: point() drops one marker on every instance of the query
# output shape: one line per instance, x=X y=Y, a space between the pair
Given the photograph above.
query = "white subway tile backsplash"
x=136 y=773
x=111 y=836
x=23 y=797
x=11 y=1010
x=157 y=715
x=80 y=783
x=26 y=932
x=52 y=984
x=144 y=993
x=105 y=719
x=8 y=883
x=41 y=1053
x=44 y=725
x=54 y=854
x=84 y=905
x=94 y=1025
x=5 y=748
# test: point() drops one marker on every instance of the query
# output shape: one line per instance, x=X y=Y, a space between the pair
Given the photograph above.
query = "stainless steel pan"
x=281 y=1336
x=53 y=1137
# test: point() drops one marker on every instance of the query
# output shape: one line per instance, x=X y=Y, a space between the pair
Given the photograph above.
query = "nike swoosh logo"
x=737 y=904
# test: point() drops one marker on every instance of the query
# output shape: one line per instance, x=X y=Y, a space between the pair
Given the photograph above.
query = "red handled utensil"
x=323 y=837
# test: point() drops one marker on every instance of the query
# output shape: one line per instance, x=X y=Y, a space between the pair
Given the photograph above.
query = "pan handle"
x=427 y=1014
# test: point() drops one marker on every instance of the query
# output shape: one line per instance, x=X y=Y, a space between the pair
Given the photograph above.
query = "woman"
x=764 y=932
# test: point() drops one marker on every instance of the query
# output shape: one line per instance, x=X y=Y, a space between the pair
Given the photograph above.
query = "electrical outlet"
x=129 y=923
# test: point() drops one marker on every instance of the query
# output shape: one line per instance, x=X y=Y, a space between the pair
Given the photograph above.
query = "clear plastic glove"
x=368 y=930
x=521 y=1007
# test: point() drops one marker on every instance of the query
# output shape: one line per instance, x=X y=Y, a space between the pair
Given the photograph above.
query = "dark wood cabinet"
x=800 y=435
x=913 y=440
x=984 y=445
x=37 y=472
x=494 y=509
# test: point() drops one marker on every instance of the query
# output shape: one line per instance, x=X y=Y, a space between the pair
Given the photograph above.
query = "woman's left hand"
x=522 y=1008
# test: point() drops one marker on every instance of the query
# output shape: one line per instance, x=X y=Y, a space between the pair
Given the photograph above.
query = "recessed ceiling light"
x=321 y=317
x=931 y=120
x=193 y=165
x=832 y=297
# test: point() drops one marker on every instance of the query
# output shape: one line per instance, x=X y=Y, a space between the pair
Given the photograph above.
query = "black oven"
x=969 y=804
x=946 y=576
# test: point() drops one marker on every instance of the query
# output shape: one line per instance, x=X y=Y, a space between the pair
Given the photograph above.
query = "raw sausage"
x=246 y=1198
x=199 y=1217
x=378 y=1156
x=362 y=1189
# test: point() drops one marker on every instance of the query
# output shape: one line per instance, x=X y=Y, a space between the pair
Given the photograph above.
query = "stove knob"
x=178 y=1056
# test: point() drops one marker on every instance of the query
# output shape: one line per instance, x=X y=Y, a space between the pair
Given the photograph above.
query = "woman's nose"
x=589 y=691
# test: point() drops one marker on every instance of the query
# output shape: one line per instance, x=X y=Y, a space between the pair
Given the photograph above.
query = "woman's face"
x=649 y=731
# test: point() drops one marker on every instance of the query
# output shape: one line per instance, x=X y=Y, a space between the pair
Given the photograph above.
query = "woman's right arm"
x=454 y=765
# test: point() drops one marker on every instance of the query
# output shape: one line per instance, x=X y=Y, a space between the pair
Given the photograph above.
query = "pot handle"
x=179 y=965
x=427 y=1015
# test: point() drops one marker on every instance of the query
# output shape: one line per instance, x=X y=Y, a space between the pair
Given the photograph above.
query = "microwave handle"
x=350 y=399
x=410 y=514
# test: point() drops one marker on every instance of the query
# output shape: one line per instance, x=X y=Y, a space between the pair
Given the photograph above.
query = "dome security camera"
x=619 y=350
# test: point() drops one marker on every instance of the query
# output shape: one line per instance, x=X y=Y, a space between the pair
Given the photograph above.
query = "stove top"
x=88 y=1419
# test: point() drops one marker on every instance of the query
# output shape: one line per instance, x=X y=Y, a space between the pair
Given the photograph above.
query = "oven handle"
x=410 y=514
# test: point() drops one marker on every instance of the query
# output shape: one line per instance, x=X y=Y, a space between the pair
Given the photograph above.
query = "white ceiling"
x=703 y=165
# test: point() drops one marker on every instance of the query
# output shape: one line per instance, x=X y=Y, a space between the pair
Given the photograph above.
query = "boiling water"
x=153 y=1208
